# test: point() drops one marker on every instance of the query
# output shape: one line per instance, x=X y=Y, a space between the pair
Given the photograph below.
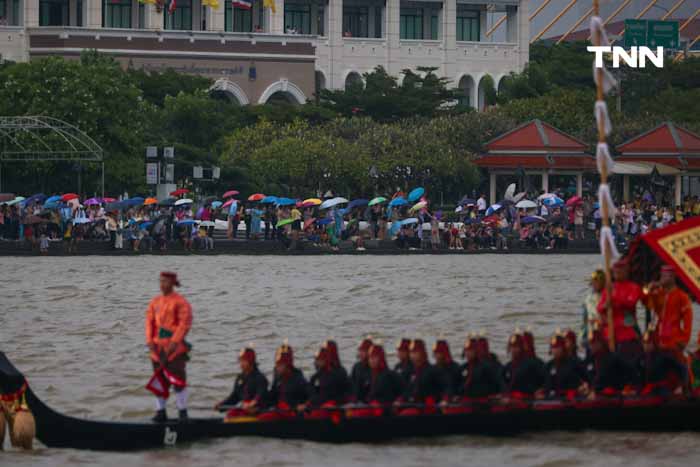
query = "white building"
x=338 y=39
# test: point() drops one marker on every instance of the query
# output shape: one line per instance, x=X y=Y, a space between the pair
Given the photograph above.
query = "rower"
x=608 y=373
x=522 y=375
x=480 y=376
x=484 y=353
x=385 y=384
x=289 y=387
x=250 y=388
x=404 y=367
x=329 y=386
x=168 y=320
x=451 y=373
x=625 y=295
x=426 y=384
x=661 y=372
x=571 y=348
x=530 y=351
x=562 y=371
x=673 y=311
x=361 y=374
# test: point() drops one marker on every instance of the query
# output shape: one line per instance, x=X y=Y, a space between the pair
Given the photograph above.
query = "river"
x=74 y=326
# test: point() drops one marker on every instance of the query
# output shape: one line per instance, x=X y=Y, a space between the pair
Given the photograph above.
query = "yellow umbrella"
x=148 y=201
x=312 y=201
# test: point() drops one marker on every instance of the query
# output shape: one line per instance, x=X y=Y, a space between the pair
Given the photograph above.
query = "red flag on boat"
x=677 y=245
x=242 y=4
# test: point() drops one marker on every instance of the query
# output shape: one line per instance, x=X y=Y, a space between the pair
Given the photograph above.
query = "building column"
x=31 y=13
x=274 y=23
x=92 y=13
x=579 y=184
x=678 y=186
x=334 y=33
x=492 y=187
x=523 y=33
x=545 y=181
x=449 y=38
x=73 y=12
x=625 y=188
x=483 y=23
x=153 y=19
x=393 y=37
x=216 y=18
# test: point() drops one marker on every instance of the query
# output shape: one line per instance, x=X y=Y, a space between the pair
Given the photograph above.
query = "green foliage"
x=157 y=86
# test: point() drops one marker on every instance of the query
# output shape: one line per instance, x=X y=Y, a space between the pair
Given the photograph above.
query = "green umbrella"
x=377 y=200
x=284 y=222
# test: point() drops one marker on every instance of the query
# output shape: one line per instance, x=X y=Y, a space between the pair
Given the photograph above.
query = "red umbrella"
x=109 y=200
x=69 y=196
x=230 y=193
x=573 y=201
x=256 y=197
x=491 y=220
x=229 y=203
x=308 y=223
x=179 y=191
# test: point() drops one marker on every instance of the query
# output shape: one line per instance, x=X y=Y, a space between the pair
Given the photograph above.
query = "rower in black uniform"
x=563 y=377
x=329 y=386
x=289 y=387
x=608 y=373
x=662 y=374
x=450 y=370
x=404 y=367
x=522 y=375
x=480 y=376
x=250 y=388
x=385 y=384
x=426 y=385
x=360 y=375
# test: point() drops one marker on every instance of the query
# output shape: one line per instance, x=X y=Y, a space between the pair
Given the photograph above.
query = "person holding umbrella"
x=168 y=320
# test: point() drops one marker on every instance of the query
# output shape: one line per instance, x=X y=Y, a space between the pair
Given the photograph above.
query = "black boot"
x=160 y=417
x=182 y=415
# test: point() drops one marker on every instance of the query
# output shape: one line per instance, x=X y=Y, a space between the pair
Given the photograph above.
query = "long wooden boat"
x=60 y=431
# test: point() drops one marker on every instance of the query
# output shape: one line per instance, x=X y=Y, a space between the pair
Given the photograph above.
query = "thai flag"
x=243 y=4
x=172 y=6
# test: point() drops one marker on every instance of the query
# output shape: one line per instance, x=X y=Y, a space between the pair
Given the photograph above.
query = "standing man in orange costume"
x=674 y=313
x=625 y=295
x=168 y=320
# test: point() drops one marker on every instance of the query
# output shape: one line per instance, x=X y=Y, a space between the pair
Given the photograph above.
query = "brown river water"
x=74 y=326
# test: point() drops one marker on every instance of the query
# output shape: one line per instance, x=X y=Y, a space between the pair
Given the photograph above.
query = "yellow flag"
x=270 y=4
x=148 y=2
x=211 y=3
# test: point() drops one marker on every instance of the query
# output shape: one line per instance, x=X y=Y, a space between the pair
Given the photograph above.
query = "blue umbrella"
x=118 y=206
x=466 y=201
x=133 y=201
x=186 y=222
x=415 y=194
x=409 y=221
x=269 y=200
x=493 y=208
x=532 y=220
x=325 y=221
x=145 y=225
x=216 y=204
x=286 y=202
x=167 y=202
x=356 y=203
x=37 y=197
x=398 y=202
x=553 y=201
x=52 y=200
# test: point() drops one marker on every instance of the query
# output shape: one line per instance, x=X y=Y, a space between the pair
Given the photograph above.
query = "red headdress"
x=417 y=345
x=529 y=344
x=442 y=347
x=570 y=336
x=248 y=354
x=285 y=355
x=404 y=345
x=557 y=342
x=376 y=350
x=172 y=276
x=332 y=349
x=482 y=348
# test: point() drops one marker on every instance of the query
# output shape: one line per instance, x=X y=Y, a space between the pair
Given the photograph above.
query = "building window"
x=297 y=18
x=181 y=18
x=238 y=19
x=116 y=13
x=434 y=28
x=378 y=22
x=53 y=13
x=411 y=23
x=142 y=16
x=355 y=21
x=468 y=25
x=320 y=21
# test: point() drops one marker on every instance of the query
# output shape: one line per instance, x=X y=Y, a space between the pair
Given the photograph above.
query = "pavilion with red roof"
x=539 y=150
x=664 y=146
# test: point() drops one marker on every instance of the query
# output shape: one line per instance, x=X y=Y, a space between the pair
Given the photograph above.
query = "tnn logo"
x=635 y=59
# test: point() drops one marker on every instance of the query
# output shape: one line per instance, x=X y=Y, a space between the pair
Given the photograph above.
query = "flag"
x=243 y=4
x=270 y=4
x=172 y=6
x=656 y=178
x=677 y=245
x=211 y=4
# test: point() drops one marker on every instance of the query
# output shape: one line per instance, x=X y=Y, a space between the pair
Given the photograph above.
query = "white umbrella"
x=180 y=202
x=520 y=196
x=546 y=195
x=526 y=204
x=329 y=203
x=510 y=191
x=207 y=224
x=459 y=209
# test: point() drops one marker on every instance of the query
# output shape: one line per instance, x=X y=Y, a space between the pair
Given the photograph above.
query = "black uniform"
x=562 y=377
x=658 y=367
x=404 y=370
x=291 y=391
x=247 y=388
x=481 y=379
x=385 y=387
x=527 y=377
x=329 y=385
x=609 y=371
x=426 y=382
x=360 y=377
x=452 y=374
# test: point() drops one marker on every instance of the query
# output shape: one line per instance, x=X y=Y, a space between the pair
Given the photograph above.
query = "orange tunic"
x=168 y=320
x=675 y=317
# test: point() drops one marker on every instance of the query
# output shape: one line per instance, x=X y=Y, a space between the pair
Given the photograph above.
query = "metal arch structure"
x=40 y=138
